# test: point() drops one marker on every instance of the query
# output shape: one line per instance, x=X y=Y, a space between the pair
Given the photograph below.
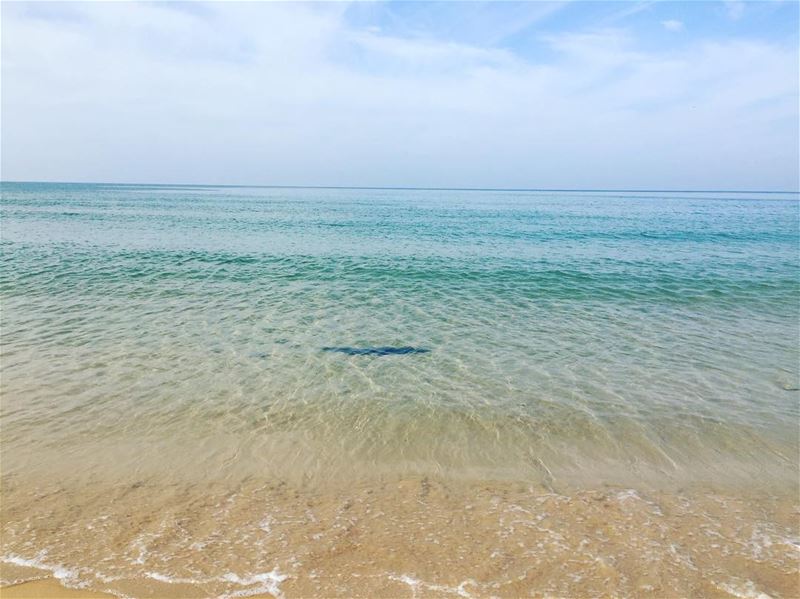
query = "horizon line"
x=404 y=188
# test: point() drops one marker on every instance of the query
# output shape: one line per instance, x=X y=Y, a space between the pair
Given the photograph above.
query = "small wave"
x=66 y=576
x=268 y=582
x=258 y=584
x=254 y=584
x=743 y=590
x=417 y=584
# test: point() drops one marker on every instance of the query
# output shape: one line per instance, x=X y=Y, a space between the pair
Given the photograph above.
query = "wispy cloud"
x=673 y=25
x=631 y=9
x=297 y=93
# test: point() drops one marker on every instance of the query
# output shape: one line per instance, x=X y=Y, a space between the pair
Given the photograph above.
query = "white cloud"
x=291 y=94
x=673 y=25
x=423 y=54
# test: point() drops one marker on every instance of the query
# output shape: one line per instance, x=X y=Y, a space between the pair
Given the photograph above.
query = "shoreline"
x=410 y=538
x=49 y=588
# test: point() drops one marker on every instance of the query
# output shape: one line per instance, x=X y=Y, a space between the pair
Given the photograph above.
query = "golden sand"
x=410 y=538
x=46 y=589
x=52 y=589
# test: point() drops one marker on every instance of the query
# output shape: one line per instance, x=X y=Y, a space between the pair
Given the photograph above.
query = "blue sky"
x=647 y=95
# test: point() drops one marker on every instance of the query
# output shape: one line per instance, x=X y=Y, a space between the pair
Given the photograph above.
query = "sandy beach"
x=413 y=538
x=48 y=588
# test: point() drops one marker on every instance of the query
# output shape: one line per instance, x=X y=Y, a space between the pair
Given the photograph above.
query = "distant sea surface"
x=188 y=356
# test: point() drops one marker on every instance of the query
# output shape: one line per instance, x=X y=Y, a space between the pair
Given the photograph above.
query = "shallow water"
x=413 y=538
x=204 y=344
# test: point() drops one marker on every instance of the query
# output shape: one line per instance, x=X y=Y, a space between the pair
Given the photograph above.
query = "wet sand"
x=411 y=538
x=47 y=589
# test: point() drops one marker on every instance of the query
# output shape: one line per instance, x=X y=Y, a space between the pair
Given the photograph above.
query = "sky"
x=573 y=95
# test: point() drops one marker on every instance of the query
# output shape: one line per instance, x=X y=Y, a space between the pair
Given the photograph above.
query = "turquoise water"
x=578 y=336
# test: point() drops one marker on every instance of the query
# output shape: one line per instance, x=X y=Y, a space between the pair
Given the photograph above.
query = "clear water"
x=570 y=334
x=334 y=392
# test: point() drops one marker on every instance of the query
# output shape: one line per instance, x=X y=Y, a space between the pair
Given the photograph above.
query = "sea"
x=232 y=391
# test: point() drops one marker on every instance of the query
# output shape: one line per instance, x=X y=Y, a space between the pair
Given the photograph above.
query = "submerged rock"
x=377 y=351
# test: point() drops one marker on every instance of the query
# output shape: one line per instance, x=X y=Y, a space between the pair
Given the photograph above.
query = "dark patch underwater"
x=377 y=351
